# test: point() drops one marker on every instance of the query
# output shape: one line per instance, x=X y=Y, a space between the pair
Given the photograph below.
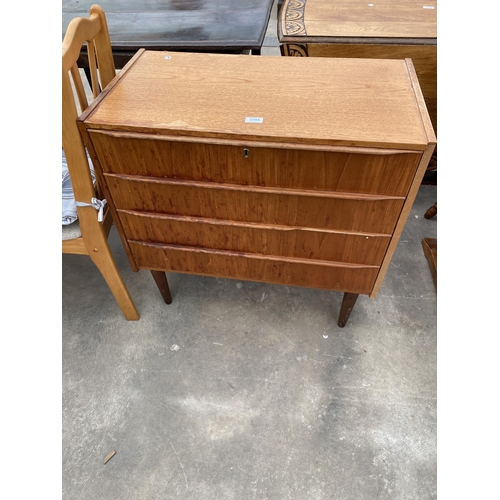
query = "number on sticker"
x=254 y=119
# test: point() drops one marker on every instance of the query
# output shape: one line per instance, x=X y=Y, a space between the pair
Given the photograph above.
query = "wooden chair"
x=88 y=235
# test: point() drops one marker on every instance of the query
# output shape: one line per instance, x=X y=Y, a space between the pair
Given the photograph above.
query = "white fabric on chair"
x=69 y=214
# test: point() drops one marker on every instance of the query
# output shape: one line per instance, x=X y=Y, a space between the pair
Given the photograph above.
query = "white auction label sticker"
x=428 y=6
x=254 y=119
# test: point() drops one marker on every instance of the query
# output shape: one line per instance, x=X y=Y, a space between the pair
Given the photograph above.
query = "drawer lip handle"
x=277 y=143
x=258 y=256
x=256 y=189
x=243 y=224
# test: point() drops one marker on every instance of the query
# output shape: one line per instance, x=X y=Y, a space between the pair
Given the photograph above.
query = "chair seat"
x=71 y=231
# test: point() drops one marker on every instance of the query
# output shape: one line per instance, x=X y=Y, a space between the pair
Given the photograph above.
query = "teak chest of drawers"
x=275 y=169
x=379 y=30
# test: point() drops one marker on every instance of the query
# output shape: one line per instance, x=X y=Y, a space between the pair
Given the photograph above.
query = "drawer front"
x=282 y=241
x=386 y=174
x=347 y=277
x=289 y=208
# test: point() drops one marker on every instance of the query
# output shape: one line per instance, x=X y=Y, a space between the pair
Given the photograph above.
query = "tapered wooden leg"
x=431 y=253
x=432 y=211
x=345 y=310
x=101 y=256
x=160 y=278
x=116 y=284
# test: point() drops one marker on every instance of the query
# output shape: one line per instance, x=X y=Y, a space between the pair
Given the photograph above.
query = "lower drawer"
x=282 y=241
x=352 y=278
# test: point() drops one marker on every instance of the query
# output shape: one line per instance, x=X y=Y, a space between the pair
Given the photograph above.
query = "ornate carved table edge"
x=430 y=251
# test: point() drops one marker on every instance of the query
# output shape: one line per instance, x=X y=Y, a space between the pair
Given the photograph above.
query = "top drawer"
x=382 y=172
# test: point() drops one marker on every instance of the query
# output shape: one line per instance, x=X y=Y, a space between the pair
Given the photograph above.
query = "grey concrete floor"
x=264 y=398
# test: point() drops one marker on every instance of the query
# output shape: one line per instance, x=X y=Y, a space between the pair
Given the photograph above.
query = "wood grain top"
x=187 y=24
x=316 y=101
x=310 y=19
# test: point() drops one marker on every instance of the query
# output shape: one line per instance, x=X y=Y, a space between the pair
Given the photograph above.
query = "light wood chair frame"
x=94 y=234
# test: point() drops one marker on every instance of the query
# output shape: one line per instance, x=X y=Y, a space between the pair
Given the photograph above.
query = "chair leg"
x=105 y=262
x=160 y=278
x=347 y=305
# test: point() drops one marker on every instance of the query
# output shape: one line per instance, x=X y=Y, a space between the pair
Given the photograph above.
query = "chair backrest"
x=94 y=32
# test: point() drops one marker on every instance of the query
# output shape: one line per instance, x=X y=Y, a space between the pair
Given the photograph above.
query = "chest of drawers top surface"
x=309 y=19
x=330 y=102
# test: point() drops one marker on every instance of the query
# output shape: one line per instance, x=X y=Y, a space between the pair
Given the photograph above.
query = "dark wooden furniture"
x=429 y=245
x=431 y=211
x=274 y=169
x=230 y=26
x=349 y=28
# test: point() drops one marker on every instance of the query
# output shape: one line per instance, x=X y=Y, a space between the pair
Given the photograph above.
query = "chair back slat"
x=105 y=61
x=93 y=68
x=78 y=84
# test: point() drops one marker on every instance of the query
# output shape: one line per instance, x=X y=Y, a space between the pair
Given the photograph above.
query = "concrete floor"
x=264 y=397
